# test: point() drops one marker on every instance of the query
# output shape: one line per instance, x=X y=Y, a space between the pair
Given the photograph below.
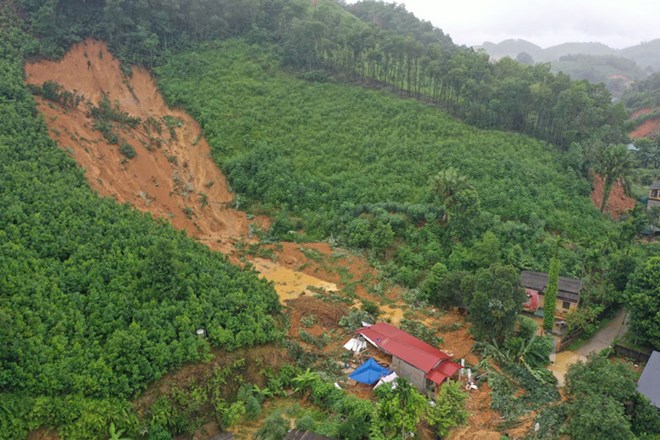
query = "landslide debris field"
x=135 y=149
x=171 y=173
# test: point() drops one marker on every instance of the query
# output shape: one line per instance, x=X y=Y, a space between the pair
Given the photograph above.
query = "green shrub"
x=127 y=149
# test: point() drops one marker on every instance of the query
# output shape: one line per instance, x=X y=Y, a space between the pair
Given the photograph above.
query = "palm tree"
x=613 y=162
x=305 y=380
x=446 y=185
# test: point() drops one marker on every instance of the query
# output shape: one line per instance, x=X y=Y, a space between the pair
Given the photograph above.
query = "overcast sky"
x=617 y=23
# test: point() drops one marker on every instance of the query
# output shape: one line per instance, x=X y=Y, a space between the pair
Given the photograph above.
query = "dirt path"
x=599 y=341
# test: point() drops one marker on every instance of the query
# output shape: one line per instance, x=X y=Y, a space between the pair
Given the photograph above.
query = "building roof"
x=655 y=185
x=569 y=288
x=650 y=378
x=398 y=343
x=442 y=371
x=296 y=434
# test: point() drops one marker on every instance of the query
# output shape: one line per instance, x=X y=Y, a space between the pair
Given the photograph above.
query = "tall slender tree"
x=551 y=295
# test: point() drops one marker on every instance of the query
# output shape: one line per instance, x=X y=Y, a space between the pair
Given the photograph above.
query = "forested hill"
x=368 y=168
x=371 y=41
x=96 y=299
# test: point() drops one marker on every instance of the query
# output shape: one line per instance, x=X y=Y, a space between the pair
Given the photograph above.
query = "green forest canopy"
x=96 y=299
x=367 y=41
x=357 y=164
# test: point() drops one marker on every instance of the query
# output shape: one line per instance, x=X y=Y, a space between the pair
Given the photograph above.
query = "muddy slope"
x=172 y=176
x=618 y=202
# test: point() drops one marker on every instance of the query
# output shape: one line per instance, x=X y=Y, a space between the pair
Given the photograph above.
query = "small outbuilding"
x=413 y=359
x=568 y=295
x=649 y=381
x=654 y=195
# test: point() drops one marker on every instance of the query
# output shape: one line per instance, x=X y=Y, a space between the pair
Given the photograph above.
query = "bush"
x=306 y=423
x=353 y=320
x=275 y=427
x=127 y=149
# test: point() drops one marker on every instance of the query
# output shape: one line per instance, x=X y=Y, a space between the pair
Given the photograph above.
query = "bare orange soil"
x=174 y=177
x=618 y=202
x=648 y=129
x=164 y=181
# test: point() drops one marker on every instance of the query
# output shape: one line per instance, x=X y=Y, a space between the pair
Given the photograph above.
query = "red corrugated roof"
x=398 y=343
x=436 y=376
x=448 y=368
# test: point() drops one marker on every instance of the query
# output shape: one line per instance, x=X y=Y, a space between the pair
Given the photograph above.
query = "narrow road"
x=605 y=336
x=599 y=341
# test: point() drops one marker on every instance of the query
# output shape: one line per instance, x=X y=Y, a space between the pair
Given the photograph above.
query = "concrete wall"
x=559 y=308
x=407 y=371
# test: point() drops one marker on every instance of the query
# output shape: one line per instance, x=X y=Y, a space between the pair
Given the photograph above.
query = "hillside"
x=97 y=300
x=202 y=201
x=645 y=55
x=643 y=103
x=321 y=153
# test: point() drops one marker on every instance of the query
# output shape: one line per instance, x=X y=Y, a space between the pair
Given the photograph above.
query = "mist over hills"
x=646 y=55
x=594 y=62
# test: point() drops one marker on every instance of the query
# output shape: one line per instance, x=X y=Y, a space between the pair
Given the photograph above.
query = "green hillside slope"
x=356 y=164
x=96 y=299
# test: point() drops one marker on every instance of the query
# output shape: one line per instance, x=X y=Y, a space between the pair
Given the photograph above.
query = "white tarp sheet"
x=387 y=379
x=355 y=345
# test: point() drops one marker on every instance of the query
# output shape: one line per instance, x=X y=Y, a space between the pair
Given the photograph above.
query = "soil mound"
x=618 y=201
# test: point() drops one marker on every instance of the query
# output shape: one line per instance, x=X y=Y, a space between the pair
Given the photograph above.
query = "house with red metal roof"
x=422 y=364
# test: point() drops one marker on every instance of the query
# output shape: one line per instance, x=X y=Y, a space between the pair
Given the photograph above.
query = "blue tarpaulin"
x=369 y=372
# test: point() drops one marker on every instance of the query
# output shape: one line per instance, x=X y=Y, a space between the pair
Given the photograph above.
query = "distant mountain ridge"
x=618 y=69
x=645 y=55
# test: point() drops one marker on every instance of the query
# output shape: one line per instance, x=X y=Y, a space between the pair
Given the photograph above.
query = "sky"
x=618 y=24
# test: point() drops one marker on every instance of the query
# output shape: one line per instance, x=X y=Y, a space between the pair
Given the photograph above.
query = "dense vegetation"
x=644 y=94
x=601 y=402
x=614 y=71
x=374 y=42
x=96 y=299
x=321 y=156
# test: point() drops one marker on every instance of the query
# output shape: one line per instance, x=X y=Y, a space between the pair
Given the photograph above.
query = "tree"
x=399 y=411
x=487 y=250
x=274 y=427
x=594 y=416
x=613 y=162
x=525 y=58
x=433 y=281
x=446 y=185
x=603 y=402
x=551 y=291
x=497 y=299
x=643 y=292
x=449 y=410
